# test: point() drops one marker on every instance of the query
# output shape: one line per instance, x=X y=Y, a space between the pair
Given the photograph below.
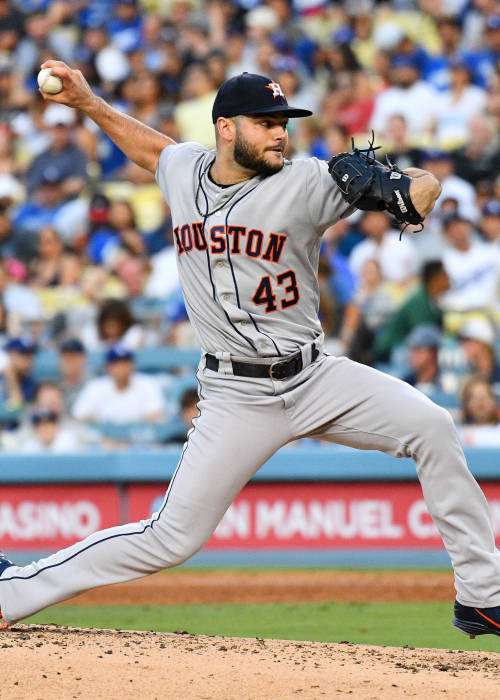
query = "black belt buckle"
x=278 y=370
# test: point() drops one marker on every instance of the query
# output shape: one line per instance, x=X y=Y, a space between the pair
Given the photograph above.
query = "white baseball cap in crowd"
x=262 y=17
x=478 y=329
x=112 y=64
x=10 y=188
x=387 y=35
x=57 y=114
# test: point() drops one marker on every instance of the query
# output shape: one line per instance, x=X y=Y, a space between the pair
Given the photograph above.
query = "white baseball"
x=51 y=84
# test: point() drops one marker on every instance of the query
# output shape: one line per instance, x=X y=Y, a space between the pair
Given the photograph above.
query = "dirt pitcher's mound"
x=46 y=662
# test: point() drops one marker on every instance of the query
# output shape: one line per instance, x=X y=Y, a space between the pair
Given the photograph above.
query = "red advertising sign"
x=264 y=516
x=55 y=516
x=322 y=515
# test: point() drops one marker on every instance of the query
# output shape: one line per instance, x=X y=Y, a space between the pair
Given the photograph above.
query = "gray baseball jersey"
x=248 y=253
x=247 y=257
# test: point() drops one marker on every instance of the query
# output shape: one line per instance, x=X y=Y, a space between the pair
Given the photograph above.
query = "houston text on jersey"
x=253 y=243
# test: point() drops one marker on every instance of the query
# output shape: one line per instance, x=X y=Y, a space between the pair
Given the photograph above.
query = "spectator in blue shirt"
x=95 y=13
x=423 y=345
x=483 y=64
x=102 y=235
x=437 y=66
x=125 y=27
x=62 y=154
x=41 y=209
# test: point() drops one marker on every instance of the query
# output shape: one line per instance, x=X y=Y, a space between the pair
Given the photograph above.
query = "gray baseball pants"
x=242 y=422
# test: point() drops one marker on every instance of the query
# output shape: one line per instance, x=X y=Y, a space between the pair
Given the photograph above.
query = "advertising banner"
x=53 y=516
x=264 y=516
x=322 y=515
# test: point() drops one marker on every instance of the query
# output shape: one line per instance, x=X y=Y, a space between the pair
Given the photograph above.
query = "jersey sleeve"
x=325 y=201
x=172 y=161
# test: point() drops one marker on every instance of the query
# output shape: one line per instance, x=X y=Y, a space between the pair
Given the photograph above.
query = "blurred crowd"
x=86 y=258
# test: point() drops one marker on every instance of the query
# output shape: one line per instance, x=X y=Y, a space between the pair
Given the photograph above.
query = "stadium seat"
x=444 y=399
x=8 y=415
x=159 y=359
x=178 y=385
x=141 y=433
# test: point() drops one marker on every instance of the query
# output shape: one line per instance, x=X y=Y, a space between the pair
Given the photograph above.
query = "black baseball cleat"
x=475 y=621
x=4 y=564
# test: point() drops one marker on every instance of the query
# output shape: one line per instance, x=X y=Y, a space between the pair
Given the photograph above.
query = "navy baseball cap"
x=454 y=216
x=492 y=208
x=424 y=336
x=404 y=60
x=117 y=353
x=22 y=344
x=73 y=345
x=493 y=22
x=249 y=93
x=436 y=154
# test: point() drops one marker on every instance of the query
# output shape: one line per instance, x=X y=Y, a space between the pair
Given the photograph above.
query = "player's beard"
x=247 y=155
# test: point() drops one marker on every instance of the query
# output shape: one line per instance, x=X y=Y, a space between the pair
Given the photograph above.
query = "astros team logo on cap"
x=245 y=94
x=276 y=88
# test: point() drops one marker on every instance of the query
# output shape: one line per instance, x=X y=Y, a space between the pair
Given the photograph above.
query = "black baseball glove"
x=369 y=185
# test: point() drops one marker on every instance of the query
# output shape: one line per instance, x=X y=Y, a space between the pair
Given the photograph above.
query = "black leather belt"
x=281 y=369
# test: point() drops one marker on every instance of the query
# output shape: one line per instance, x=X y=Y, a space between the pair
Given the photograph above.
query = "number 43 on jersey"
x=264 y=294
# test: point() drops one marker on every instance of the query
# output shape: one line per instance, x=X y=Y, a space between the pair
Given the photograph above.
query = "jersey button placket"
x=222 y=282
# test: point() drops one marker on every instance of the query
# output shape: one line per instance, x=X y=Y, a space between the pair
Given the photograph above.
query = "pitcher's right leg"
x=229 y=443
x=370 y=410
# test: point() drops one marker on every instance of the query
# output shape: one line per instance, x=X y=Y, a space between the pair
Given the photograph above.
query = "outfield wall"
x=305 y=507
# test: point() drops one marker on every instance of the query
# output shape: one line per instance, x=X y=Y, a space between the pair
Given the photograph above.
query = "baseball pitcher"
x=247 y=228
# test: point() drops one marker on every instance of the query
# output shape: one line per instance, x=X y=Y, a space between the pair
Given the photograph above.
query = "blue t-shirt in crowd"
x=100 y=244
x=68 y=162
x=126 y=35
x=30 y=217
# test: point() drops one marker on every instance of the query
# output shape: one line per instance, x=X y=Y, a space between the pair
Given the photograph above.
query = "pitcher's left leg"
x=358 y=406
x=230 y=441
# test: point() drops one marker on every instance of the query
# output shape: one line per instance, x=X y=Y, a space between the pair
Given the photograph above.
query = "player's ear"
x=225 y=130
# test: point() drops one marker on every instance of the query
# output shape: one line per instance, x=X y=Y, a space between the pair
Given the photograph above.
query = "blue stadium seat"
x=158 y=359
x=392 y=369
x=164 y=359
x=146 y=309
x=178 y=385
x=45 y=365
x=142 y=433
x=444 y=399
x=8 y=415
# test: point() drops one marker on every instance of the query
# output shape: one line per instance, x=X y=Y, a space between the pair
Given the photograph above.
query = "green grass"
x=391 y=624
